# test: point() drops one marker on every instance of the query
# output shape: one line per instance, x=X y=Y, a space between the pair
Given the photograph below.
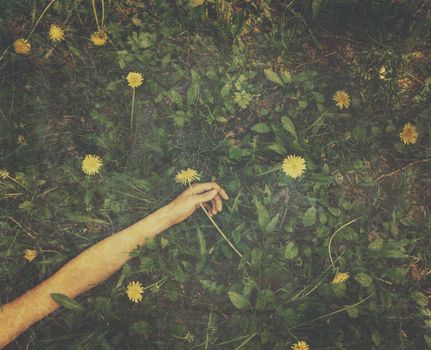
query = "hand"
x=209 y=194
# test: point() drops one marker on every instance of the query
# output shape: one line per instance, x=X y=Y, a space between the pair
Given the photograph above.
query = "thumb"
x=207 y=196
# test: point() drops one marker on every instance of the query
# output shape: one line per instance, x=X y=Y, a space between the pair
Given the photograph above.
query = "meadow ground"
x=315 y=117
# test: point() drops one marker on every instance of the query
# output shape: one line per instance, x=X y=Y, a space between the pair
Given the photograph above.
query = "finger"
x=206 y=196
x=214 y=206
x=218 y=203
x=223 y=194
x=206 y=186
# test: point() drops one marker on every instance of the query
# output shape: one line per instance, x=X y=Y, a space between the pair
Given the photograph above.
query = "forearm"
x=82 y=273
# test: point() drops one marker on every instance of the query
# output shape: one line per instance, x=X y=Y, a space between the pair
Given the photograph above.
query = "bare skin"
x=102 y=260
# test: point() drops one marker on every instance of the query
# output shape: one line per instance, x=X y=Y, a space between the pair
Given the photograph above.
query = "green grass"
x=71 y=99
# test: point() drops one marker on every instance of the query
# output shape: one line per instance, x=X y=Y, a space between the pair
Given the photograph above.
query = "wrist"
x=165 y=216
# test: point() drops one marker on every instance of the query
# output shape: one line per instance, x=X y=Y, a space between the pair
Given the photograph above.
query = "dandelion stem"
x=133 y=109
x=332 y=237
x=103 y=12
x=40 y=17
x=219 y=229
x=93 y=2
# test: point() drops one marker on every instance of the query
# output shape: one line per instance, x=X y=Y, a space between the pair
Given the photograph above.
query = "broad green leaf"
x=235 y=153
x=271 y=75
x=66 y=302
x=211 y=286
x=164 y=242
x=202 y=242
x=195 y=3
x=175 y=96
x=238 y=300
x=261 y=128
x=276 y=147
x=262 y=215
x=321 y=179
x=180 y=275
x=256 y=256
x=420 y=298
x=141 y=327
x=363 y=279
x=288 y=126
x=310 y=217
x=192 y=93
x=25 y=205
x=376 y=244
x=334 y=211
x=272 y=224
x=77 y=217
x=428 y=340
x=291 y=251
x=315 y=5
x=353 y=312
x=377 y=339
x=265 y=298
x=286 y=76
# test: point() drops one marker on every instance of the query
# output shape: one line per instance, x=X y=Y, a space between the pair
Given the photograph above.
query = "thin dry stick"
x=334 y=312
x=403 y=168
x=26 y=230
x=333 y=235
x=218 y=228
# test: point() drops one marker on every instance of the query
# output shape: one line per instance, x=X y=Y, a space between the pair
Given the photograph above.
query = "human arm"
x=101 y=260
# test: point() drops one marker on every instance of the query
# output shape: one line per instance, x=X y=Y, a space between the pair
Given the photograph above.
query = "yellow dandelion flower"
x=382 y=72
x=134 y=79
x=134 y=291
x=301 y=345
x=340 y=277
x=30 y=254
x=22 y=46
x=342 y=99
x=99 y=38
x=91 y=164
x=187 y=176
x=56 y=33
x=409 y=134
x=21 y=140
x=294 y=166
x=417 y=54
x=4 y=174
